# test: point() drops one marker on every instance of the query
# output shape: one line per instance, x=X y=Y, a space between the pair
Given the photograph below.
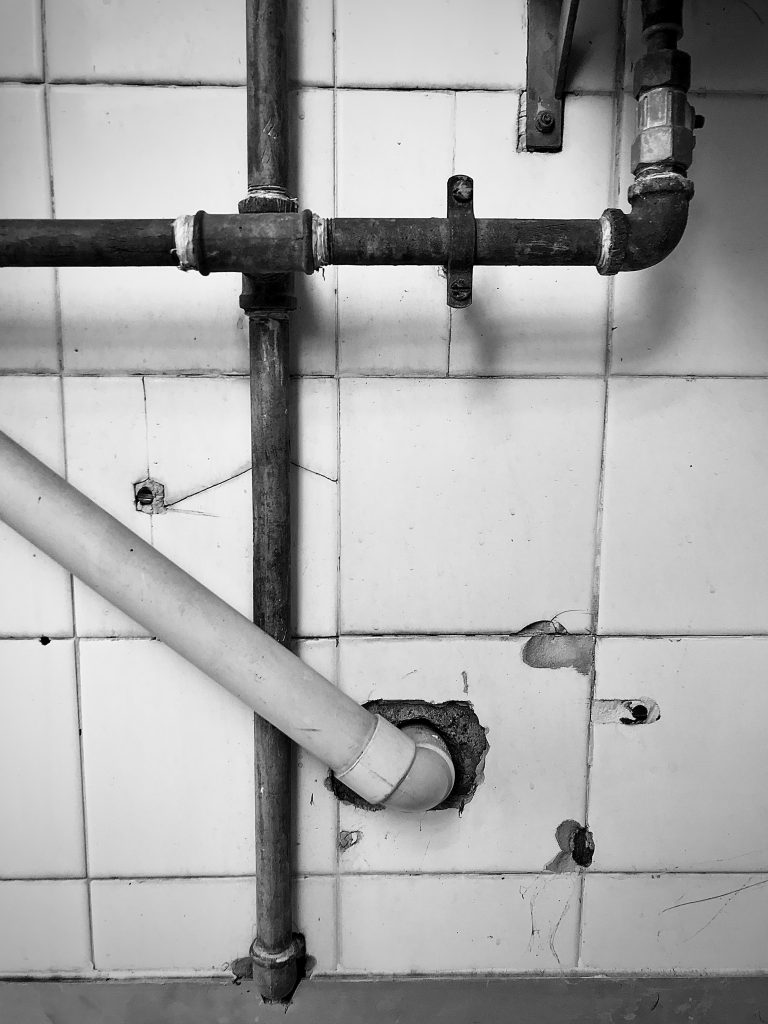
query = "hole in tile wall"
x=458 y=725
x=45 y=640
x=577 y=847
x=149 y=496
x=348 y=839
x=627 y=711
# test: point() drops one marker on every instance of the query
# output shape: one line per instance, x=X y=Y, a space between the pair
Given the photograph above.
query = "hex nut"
x=663 y=145
x=662 y=67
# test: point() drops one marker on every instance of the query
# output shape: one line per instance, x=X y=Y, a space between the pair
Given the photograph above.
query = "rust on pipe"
x=266 y=300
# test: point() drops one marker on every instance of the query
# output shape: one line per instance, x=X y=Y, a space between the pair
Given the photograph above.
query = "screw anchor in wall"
x=149 y=496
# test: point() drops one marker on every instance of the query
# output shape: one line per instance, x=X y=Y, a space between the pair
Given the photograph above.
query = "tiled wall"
x=571 y=449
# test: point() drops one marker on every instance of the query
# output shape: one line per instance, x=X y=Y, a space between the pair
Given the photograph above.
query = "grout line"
x=337 y=897
x=613 y=187
x=65 y=452
x=359 y=636
x=453 y=171
x=403 y=873
x=426 y=377
x=700 y=92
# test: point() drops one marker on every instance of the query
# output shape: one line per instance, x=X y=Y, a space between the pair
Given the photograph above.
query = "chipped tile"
x=533 y=777
x=685 y=792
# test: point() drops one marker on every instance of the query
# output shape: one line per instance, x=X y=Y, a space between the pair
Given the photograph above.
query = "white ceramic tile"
x=467 y=505
x=703 y=309
x=726 y=41
x=533 y=319
x=517 y=923
x=310 y=42
x=200 y=450
x=313 y=325
x=314 y=914
x=685 y=792
x=314 y=506
x=394 y=153
x=314 y=812
x=20 y=40
x=683 y=538
x=107 y=454
x=147 y=40
x=710 y=923
x=177 y=41
x=592 y=62
x=35 y=592
x=431 y=43
x=28 y=339
x=199 y=432
x=195 y=924
x=115 y=154
x=393 y=320
x=168 y=765
x=534 y=773
x=40 y=790
x=49 y=927
x=199 y=924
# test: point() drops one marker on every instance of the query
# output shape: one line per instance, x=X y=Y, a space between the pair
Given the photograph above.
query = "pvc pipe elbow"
x=409 y=768
x=431 y=776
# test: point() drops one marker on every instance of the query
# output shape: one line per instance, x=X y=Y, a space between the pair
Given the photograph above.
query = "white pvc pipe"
x=381 y=763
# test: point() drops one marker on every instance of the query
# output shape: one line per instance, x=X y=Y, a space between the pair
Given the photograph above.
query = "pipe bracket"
x=461 y=241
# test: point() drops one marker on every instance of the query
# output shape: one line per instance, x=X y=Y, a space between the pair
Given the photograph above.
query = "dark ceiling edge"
x=469 y=1000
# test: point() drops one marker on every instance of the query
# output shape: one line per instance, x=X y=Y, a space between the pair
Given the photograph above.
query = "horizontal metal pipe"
x=371 y=756
x=87 y=243
x=283 y=242
x=498 y=242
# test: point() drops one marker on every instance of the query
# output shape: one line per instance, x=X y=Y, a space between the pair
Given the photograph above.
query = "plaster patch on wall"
x=348 y=839
x=552 y=646
x=630 y=711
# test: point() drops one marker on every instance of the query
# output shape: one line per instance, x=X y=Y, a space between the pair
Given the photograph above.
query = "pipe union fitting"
x=665 y=121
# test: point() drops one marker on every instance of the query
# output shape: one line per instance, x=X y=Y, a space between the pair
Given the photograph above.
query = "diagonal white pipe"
x=381 y=763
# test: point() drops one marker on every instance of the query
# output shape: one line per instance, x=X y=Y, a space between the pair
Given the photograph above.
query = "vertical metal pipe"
x=267 y=301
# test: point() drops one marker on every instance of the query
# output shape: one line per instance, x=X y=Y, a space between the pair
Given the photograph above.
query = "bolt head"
x=462 y=190
x=545 y=122
x=460 y=290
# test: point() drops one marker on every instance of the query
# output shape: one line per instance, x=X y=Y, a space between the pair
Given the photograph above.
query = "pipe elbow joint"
x=431 y=776
x=653 y=228
x=409 y=769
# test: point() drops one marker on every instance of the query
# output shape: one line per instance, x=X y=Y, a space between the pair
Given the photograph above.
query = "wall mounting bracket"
x=550 y=33
x=462 y=240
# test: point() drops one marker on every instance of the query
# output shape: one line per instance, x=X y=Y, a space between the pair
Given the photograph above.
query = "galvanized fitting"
x=267 y=959
x=661 y=181
x=670 y=68
x=319 y=241
x=665 y=121
x=187 y=242
x=614 y=232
